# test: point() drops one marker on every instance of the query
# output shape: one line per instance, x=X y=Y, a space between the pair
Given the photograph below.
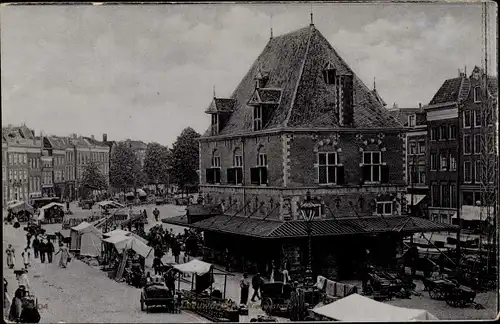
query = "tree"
x=125 y=169
x=156 y=163
x=185 y=159
x=92 y=178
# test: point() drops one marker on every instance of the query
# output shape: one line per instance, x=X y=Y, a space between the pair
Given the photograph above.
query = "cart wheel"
x=267 y=305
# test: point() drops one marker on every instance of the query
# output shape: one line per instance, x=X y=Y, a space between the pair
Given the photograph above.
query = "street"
x=95 y=298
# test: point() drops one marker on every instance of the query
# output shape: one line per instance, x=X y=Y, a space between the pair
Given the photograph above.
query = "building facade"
x=415 y=148
x=461 y=130
x=300 y=122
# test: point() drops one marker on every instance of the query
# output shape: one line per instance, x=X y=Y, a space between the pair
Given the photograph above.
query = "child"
x=26 y=255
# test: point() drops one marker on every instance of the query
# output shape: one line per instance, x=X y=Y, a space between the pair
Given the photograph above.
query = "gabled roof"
x=294 y=63
x=402 y=114
x=448 y=92
x=265 y=96
x=220 y=105
x=379 y=98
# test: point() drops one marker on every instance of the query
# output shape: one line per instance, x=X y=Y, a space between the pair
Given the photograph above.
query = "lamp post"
x=308 y=211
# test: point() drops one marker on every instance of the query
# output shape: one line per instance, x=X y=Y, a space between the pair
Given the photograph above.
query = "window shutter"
x=239 y=175
x=385 y=174
x=209 y=175
x=254 y=175
x=340 y=175
x=263 y=174
x=231 y=176
x=217 y=175
x=366 y=173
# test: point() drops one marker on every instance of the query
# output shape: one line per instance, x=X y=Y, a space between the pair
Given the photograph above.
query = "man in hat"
x=256 y=284
x=22 y=279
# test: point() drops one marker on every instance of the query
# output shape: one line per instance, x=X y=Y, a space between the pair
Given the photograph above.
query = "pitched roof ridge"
x=290 y=33
x=306 y=52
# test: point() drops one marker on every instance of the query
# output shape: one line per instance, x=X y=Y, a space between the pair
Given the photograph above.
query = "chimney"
x=104 y=137
x=92 y=137
x=420 y=105
x=74 y=136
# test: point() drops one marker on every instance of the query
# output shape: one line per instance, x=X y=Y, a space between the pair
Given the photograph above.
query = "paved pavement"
x=80 y=293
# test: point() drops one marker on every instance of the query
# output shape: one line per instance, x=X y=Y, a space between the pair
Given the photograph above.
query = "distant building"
x=414 y=119
x=139 y=148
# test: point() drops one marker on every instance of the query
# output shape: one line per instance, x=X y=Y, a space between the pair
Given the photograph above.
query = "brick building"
x=301 y=121
x=472 y=134
x=415 y=120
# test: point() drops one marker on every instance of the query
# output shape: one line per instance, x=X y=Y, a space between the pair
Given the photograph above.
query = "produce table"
x=211 y=308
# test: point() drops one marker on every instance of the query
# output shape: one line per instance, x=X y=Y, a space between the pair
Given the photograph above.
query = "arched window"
x=235 y=174
x=215 y=159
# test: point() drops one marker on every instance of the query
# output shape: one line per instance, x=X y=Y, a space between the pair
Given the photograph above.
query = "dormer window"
x=477 y=94
x=329 y=74
x=257 y=118
x=412 y=121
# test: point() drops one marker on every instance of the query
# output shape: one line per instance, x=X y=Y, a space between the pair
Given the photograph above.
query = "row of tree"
x=161 y=166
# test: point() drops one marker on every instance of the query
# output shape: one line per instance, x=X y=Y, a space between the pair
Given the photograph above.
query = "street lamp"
x=308 y=211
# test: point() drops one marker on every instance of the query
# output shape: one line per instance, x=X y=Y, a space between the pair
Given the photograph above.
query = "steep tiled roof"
x=448 y=92
x=220 y=105
x=60 y=143
x=379 y=98
x=402 y=114
x=294 y=63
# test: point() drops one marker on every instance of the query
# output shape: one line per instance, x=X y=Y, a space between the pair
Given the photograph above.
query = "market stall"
x=85 y=240
x=22 y=210
x=357 y=308
x=51 y=213
x=213 y=305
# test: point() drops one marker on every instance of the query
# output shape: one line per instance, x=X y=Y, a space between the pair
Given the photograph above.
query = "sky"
x=146 y=72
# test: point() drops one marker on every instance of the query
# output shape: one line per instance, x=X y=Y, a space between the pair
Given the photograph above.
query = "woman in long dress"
x=10 y=256
x=63 y=249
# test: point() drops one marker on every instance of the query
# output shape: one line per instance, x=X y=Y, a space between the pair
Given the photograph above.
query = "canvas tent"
x=357 y=308
x=86 y=239
x=194 y=266
x=110 y=204
x=122 y=241
x=48 y=206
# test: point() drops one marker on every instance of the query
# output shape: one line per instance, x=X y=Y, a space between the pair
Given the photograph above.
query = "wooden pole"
x=225 y=283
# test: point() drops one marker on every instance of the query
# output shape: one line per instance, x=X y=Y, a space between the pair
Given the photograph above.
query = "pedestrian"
x=157 y=265
x=42 y=249
x=256 y=284
x=49 y=249
x=11 y=256
x=145 y=214
x=22 y=279
x=63 y=261
x=28 y=240
x=26 y=255
x=226 y=258
x=16 y=306
x=16 y=222
x=176 y=250
x=36 y=245
x=244 y=289
x=156 y=213
x=286 y=276
x=67 y=205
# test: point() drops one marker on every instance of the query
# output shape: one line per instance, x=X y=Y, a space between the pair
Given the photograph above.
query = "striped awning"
x=326 y=227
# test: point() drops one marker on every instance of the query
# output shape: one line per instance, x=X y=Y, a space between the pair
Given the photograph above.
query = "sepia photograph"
x=250 y=162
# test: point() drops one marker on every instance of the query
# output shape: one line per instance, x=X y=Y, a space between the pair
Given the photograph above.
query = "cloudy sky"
x=147 y=72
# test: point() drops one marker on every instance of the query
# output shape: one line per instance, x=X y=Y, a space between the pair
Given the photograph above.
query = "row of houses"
x=451 y=153
x=34 y=166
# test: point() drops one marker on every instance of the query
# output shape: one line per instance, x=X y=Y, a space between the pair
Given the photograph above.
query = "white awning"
x=475 y=213
x=194 y=266
x=117 y=232
x=357 y=308
x=416 y=199
x=52 y=204
x=81 y=226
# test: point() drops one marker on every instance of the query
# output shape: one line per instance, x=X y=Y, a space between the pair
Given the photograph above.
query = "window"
x=15 y=175
x=434 y=134
x=15 y=158
x=467 y=119
x=235 y=174
x=384 y=207
x=262 y=160
x=421 y=147
x=491 y=142
x=477 y=144
x=477 y=118
x=329 y=74
x=215 y=161
x=421 y=174
x=373 y=170
x=467 y=171
x=215 y=123
x=25 y=159
x=329 y=170
x=477 y=94
x=453 y=132
x=411 y=121
x=25 y=174
x=10 y=159
x=444 y=162
x=257 y=118
x=477 y=173
x=413 y=148
x=443 y=132
x=467 y=144
x=435 y=193
x=468 y=198
x=434 y=161
x=453 y=196
x=10 y=175
x=453 y=163
x=445 y=195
